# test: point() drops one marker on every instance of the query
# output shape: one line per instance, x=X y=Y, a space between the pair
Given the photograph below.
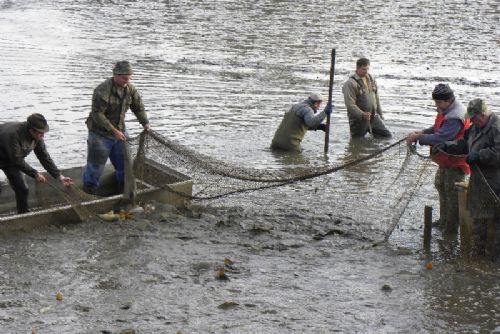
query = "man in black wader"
x=481 y=143
x=17 y=140
x=106 y=125
x=363 y=104
x=297 y=121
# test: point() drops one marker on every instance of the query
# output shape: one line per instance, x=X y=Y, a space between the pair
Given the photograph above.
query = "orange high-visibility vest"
x=449 y=161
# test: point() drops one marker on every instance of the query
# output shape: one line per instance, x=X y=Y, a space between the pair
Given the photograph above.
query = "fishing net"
x=155 y=163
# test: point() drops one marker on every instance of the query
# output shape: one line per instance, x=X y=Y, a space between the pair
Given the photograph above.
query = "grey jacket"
x=486 y=142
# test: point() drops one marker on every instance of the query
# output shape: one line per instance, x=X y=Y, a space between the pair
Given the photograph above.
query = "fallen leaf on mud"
x=221 y=275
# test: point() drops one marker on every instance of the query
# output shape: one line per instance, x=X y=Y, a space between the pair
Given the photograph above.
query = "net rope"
x=149 y=153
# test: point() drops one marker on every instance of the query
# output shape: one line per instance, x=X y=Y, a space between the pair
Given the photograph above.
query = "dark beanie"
x=442 y=92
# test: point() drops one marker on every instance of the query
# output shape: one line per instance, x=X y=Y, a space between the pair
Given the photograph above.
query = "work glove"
x=328 y=109
x=321 y=127
x=440 y=147
x=472 y=157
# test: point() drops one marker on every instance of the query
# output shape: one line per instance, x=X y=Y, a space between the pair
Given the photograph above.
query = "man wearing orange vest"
x=449 y=124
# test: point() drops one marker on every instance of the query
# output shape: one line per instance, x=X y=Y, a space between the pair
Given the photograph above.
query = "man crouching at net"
x=295 y=123
x=106 y=125
x=17 y=140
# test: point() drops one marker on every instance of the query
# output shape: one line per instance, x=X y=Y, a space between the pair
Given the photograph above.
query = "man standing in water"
x=17 y=140
x=301 y=117
x=481 y=143
x=362 y=103
x=449 y=125
x=106 y=125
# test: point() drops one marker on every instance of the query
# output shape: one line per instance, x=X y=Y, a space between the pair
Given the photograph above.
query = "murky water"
x=217 y=76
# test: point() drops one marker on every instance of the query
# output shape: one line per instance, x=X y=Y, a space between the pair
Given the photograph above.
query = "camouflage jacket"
x=108 y=108
x=15 y=145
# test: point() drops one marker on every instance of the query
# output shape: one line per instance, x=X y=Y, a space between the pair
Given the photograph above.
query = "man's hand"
x=146 y=127
x=119 y=135
x=66 y=181
x=412 y=137
x=328 y=109
x=40 y=178
x=367 y=116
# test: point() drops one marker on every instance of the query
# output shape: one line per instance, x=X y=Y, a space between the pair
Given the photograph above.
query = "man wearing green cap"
x=17 y=140
x=106 y=125
x=297 y=121
x=481 y=143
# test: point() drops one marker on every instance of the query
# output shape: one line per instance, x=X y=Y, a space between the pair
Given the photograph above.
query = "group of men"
x=460 y=138
x=106 y=137
x=363 y=109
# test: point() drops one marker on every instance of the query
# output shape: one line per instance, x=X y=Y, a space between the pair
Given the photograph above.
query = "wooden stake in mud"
x=427 y=226
x=327 y=127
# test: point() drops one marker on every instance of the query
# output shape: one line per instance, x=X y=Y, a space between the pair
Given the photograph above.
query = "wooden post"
x=330 y=86
x=427 y=226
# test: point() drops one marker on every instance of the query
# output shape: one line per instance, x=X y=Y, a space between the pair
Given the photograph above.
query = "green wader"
x=444 y=182
x=290 y=132
x=367 y=101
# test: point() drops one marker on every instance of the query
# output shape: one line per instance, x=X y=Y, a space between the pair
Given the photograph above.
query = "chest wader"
x=290 y=132
x=366 y=100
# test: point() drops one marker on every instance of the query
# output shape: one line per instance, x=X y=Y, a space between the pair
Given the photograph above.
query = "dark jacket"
x=15 y=145
x=486 y=142
x=108 y=108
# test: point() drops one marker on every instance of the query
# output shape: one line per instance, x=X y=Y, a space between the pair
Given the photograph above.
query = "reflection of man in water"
x=106 y=124
x=449 y=125
x=301 y=117
x=481 y=143
x=362 y=103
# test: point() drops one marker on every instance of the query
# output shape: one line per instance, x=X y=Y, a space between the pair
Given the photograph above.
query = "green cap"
x=476 y=107
x=37 y=122
x=122 y=67
x=315 y=97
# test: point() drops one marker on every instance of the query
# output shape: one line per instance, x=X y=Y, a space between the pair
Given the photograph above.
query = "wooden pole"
x=427 y=226
x=330 y=87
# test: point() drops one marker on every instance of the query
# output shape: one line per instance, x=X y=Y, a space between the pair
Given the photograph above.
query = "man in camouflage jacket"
x=106 y=125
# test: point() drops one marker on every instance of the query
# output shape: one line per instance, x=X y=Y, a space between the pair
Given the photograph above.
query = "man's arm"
x=491 y=155
x=447 y=132
x=45 y=159
x=350 y=90
x=311 y=119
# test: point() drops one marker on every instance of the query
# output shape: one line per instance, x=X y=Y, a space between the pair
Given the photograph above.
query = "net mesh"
x=150 y=154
